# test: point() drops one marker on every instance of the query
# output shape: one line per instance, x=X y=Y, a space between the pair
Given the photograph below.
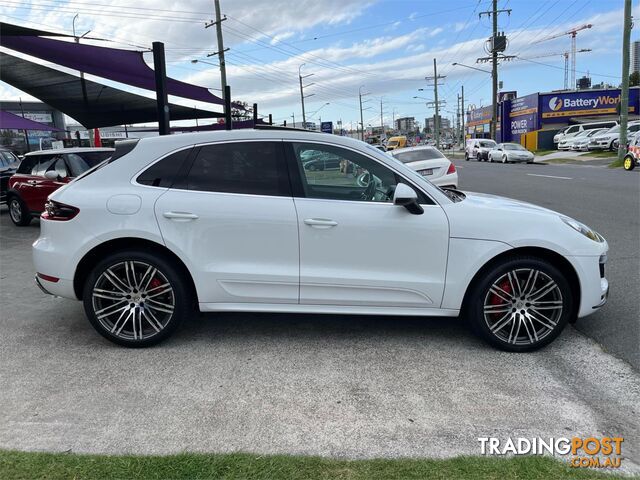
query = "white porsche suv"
x=232 y=221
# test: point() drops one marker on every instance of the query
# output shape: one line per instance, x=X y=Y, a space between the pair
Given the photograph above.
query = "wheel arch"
x=93 y=256
x=556 y=259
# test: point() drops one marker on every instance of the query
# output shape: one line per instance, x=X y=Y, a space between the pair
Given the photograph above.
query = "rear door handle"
x=180 y=216
x=320 y=222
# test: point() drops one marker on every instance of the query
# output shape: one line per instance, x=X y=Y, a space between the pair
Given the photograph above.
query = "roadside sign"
x=326 y=127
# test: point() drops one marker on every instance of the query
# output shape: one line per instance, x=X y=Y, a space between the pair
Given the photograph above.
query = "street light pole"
x=624 y=94
x=360 y=94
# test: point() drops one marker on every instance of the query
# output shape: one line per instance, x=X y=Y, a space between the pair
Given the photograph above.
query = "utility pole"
x=360 y=94
x=498 y=44
x=221 y=49
x=302 y=95
x=464 y=133
x=381 y=117
x=293 y=117
x=436 y=104
x=624 y=97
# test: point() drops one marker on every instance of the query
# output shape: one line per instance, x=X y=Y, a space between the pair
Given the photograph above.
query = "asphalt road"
x=355 y=387
x=607 y=200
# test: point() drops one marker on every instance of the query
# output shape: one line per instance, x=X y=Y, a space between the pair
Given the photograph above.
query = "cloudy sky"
x=386 y=46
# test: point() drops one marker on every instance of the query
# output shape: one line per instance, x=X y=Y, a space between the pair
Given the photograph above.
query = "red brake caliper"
x=496 y=300
x=154 y=283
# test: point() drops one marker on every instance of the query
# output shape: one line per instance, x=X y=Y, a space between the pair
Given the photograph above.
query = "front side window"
x=46 y=161
x=256 y=168
x=59 y=167
x=357 y=178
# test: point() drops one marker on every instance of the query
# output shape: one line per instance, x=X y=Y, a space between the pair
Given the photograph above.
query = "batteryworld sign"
x=584 y=103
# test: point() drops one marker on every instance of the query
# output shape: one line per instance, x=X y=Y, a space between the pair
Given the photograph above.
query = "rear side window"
x=27 y=164
x=256 y=168
x=46 y=163
x=164 y=172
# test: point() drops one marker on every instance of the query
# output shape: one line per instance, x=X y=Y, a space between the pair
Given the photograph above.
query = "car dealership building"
x=533 y=119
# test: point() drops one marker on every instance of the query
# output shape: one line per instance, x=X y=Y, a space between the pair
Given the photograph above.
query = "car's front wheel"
x=520 y=305
x=18 y=212
x=136 y=298
x=505 y=159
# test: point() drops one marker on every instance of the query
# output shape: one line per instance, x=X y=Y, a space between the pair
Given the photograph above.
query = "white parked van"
x=573 y=130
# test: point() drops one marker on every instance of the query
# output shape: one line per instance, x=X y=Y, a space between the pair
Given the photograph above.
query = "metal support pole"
x=227 y=108
x=255 y=113
x=624 y=95
x=270 y=120
x=162 y=98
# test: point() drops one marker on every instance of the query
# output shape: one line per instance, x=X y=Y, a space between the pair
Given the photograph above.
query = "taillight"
x=451 y=169
x=59 y=211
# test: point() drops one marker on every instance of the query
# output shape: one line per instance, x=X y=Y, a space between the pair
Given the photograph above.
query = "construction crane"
x=573 y=32
x=565 y=55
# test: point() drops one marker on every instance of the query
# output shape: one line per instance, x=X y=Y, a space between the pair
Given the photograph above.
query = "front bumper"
x=594 y=286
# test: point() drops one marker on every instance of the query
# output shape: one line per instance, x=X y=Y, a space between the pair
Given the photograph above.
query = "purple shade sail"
x=16 y=122
x=124 y=66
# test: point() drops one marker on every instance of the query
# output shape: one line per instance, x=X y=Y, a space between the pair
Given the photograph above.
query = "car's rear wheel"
x=629 y=163
x=18 y=211
x=136 y=298
x=520 y=305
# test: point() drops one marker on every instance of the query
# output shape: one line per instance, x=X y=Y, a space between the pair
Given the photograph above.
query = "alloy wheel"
x=133 y=300
x=523 y=306
x=15 y=210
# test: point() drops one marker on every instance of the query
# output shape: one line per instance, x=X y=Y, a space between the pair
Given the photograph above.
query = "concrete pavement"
x=303 y=384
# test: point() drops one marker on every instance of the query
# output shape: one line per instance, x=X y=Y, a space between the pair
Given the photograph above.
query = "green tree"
x=634 y=79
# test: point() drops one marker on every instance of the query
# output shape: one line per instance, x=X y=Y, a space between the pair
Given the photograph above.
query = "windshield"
x=392 y=143
x=488 y=144
x=80 y=162
x=513 y=146
x=417 y=155
x=615 y=129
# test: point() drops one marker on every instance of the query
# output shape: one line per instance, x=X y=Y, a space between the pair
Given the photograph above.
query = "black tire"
x=504 y=159
x=466 y=157
x=180 y=296
x=474 y=310
x=628 y=163
x=18 y=212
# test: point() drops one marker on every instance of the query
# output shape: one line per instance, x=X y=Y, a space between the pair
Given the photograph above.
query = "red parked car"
x=40 y=173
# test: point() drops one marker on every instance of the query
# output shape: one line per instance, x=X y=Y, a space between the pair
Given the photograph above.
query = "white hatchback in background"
x=430 y=163
x=232 y=221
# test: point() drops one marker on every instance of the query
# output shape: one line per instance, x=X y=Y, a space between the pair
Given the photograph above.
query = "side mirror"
x=51 y=175
x=406 y=197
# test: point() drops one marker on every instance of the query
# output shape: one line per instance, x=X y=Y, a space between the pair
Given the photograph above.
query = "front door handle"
x=320 y=222
x=180 y=216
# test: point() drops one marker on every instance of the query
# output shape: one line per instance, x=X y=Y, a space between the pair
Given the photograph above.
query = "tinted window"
x=80 y=162
x=27 y=164
x=256 y=168
x=164 y=172
x=488 y=144
x=417 y=155
x=513 y=146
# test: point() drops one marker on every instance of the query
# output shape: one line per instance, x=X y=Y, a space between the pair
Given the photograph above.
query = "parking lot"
x=342 y=386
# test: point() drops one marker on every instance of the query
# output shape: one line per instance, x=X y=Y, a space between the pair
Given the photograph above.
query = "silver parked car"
x=510 y=152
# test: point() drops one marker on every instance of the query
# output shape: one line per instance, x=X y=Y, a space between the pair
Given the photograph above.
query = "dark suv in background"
x=8 y=165
x=41 y=173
